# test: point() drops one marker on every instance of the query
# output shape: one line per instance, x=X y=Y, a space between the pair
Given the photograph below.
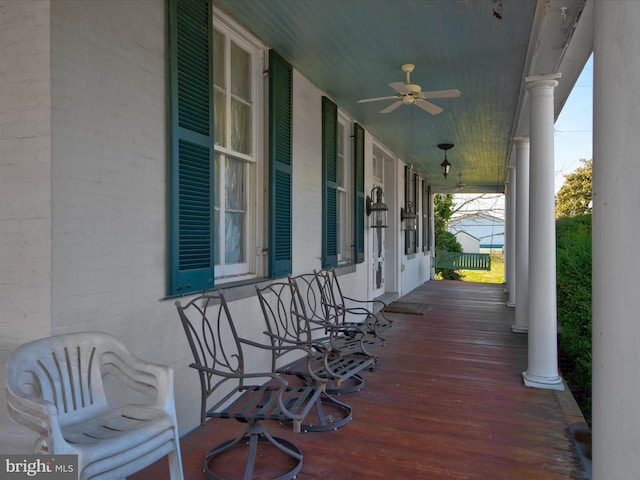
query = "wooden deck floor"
x=445 y=402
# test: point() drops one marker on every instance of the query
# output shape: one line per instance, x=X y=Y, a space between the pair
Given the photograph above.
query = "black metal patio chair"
x=352 y=310
x=289 y=325
x=327 y=319
x=251 y=398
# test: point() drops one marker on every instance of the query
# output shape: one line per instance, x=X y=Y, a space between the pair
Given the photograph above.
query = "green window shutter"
x=358 y=167
x=426 y=217
x=280 y=171
x=191 y=225
x=329 y=183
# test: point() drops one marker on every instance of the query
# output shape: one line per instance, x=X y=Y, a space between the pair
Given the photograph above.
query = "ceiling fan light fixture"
x=445 y=166
x=407 y=93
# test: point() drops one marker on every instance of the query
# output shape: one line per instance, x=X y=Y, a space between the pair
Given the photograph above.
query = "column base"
x=519 y=329
x=548 y=383
x=511 y=304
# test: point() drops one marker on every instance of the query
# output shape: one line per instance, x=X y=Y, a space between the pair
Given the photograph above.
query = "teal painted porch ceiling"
x=353 y=49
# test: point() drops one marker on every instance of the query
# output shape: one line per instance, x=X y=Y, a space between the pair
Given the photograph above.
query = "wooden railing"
x=463 y=261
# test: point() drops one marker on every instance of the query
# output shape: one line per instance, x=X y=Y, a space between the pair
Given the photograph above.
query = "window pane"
x=218 y=59
x=220 y=119
x=216 y=175
x=234 y=237
x=216 y=219
x=240 y=73
x=241 y=133
x=234 y=188
x=217 y=158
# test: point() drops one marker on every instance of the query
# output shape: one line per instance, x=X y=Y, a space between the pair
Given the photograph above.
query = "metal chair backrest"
x=216 y=349
x=285 y=317
x=332 y=297
x=317 y=299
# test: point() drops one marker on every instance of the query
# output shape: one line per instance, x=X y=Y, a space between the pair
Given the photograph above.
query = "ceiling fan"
x=458 y=186
x=408 y=93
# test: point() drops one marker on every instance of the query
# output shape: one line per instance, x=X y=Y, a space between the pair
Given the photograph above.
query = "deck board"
x=445 y=402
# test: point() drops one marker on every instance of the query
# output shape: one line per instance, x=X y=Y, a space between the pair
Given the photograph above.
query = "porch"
x=445 y=402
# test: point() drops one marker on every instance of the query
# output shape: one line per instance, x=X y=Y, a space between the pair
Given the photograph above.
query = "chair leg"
x=255 y=433
x=351 y=385
x=331 y=414
x=175 y=465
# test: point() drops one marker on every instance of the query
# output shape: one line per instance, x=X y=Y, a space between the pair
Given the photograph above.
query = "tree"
x=442 y=209
x=574 y=198
x=445 y=241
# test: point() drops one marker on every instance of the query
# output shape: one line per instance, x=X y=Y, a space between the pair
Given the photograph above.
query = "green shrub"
x=447 y=242
x=573 y=257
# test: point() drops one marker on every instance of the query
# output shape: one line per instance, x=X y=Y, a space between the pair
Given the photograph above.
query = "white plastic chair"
x=55 y=387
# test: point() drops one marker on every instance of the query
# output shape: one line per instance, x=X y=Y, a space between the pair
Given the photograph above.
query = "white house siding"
x=109 y=168
x=307 y=175
x=83 y=186
x=25 y=172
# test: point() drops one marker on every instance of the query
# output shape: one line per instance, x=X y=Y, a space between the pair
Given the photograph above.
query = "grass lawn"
x=496 y=275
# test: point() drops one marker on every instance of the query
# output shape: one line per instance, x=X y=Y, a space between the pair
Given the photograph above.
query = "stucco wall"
x=109 y=181
x=25 y=171
x=307 y=175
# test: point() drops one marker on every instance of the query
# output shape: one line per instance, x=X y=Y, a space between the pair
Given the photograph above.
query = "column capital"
x=521 y=139
x=535 y=81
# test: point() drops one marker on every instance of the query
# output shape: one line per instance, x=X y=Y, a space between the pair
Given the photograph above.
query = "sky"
x=573 y=141
x=573 y=128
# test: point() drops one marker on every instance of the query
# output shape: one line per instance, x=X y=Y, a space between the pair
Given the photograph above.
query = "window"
x=342 y=188
x=426 y=216
x=215 y=150
x=237 y=165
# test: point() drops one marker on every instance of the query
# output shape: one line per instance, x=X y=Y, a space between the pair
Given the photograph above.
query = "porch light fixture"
x=409 y=218
x=445 y=165
x=377 y=211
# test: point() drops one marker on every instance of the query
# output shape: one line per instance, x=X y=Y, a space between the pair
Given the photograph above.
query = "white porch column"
x=616 y=262
x=542 y=370
x=510 y=256
x=522 y=235
x=505 y=244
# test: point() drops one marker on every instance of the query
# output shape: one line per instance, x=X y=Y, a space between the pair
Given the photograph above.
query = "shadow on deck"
x=446 y=402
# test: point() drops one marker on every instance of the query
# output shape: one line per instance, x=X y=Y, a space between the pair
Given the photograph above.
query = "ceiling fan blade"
x=400 y=87
x=376 y=99
x=428 y=106
x=452 y=93
x=391 y=107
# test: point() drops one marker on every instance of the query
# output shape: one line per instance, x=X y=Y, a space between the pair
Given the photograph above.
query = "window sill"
x=345 y=269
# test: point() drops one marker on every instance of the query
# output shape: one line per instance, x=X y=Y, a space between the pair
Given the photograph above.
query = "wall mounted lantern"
x=409 y=218
x=445 y=165
x=377 y=211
